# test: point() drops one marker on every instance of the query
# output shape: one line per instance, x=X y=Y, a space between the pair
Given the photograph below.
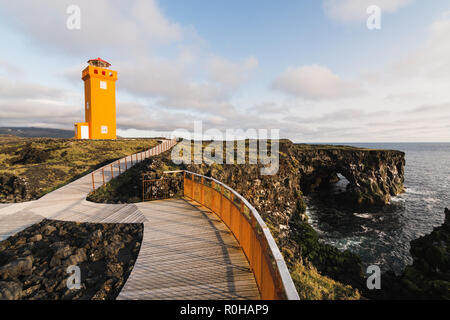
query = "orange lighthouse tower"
x=100 y=102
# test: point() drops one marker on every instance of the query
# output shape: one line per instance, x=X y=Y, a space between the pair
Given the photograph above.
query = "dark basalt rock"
x=374 y=175
x=428 y=278
x=31 y=155
x=10 y=290
x=17 y=268
x=33 y=263
x=429 y=275
x=14 y=188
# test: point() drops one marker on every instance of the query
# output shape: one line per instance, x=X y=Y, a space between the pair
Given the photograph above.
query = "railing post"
x=93 y=183
x=143 y=194
x=103 y=175
x=263 y=260
x=120 y=172
x=126 y=164
x=253 y=239
x=221 y=200
x=112 y=172
x=213 y=193
x=202 y=190
x=184 y=183
x=241 y=219
x=231 y=209
x=193 y=184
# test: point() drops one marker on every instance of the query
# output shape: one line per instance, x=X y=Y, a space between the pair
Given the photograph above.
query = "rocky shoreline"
x=34 y=262
x=428 y=278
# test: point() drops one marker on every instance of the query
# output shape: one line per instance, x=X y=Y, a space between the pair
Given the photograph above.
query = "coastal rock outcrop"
x=429 y=275
x=373 y=175
x=428 y=278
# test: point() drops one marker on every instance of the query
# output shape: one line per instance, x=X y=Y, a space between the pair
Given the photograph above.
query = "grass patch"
x=49 y=163
x=311 y=285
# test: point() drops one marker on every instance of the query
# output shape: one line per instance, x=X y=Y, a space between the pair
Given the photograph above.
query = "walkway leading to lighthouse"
x=186 y=252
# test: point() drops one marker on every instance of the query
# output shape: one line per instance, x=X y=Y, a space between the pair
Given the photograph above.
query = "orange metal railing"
x=270 y=270
x=101 y=176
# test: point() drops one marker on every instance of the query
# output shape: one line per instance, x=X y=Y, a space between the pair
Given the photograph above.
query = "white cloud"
x=37 y=113
x=26 y=90
x=314 y=82
x=431 y=59
x=104 y=24
x=356 y=10
x=229 y=73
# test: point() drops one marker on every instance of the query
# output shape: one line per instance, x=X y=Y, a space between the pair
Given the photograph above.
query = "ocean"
x=383 y=237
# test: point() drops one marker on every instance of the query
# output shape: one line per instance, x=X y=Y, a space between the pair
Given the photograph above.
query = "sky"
x=312 y=69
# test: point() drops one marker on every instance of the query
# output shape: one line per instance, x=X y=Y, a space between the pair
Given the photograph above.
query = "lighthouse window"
x=103 y=85
x=103 y=73
x=95 y=71
x=104 y=129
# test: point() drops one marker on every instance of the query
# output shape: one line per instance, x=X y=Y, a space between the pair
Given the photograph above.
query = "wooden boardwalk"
x=188 y=253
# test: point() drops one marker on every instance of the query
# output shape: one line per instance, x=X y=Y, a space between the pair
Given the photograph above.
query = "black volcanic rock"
x=14 y=188
x=429 y=275
x=428 y=278
x=17 y=268
x=34 y=262
x=10 y=290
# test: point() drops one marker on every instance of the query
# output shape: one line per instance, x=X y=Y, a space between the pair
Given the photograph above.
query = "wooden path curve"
x=186 y=252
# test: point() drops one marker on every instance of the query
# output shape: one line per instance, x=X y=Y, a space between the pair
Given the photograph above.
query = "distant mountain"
x=31 y=132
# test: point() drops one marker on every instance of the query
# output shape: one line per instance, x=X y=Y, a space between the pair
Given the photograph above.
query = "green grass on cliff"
x=48 y=163
x=311 y=285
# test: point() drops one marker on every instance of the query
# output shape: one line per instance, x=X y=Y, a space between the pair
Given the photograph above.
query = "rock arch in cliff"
x=373 y=175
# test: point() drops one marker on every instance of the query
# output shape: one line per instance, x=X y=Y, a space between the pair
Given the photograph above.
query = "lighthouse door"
x=84 y=132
